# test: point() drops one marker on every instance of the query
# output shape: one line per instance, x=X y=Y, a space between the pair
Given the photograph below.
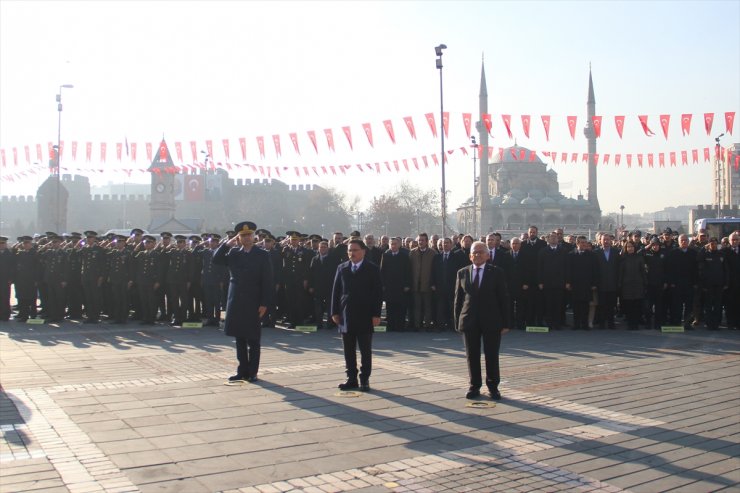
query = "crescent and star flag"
x=209 y=148
x=487 y=122
x=546 y=124
x=102 y=152
x=162 y=152
x=329 y=138
x=119 y=150
x=729 y=121
x=39 y=153
x=525 y=125
x=226 y=149
x=708 y=120
x=639 y=160
x=673 y=158
x=28 y=153
x=597 y=126
x=276 y=142
x=507 y=124
x=695 y=156
x=706 y=154
x=572 y=120
x=466 y=123
x=410 y=125
x=194 y=151
x=389 y=128
x=446 y=123
x=243 y=147
x=684 y=158
x=294 y=140
x=88 y=151
x=644 y=123
x=617 y=159
x=432 y=124
x=686 y=124
x=312 y=138
x=74 y=151
x=261 y=146
x=348 y=133
x=665 y=120
x=368 y=133
x=629 y=160
x=178 y=151
x=619 y=123
x=194 y=188
x=149 y=152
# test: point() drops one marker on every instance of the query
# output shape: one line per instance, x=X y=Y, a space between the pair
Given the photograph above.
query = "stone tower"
x=162 y=204
x=590 y=134
x=484 y=204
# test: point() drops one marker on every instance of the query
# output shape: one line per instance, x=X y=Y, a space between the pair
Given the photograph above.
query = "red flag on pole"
x=546 y=124
x=329 y=138
x=261 y=146
x=572 y=121
x=410 y=125
x=348 y=133
x=708 y=120
x=686 y=124
x=665 y=120
x=389 y=128
x=597 y=126
x=312 y=138
x=525 y=124
x=729 y=121
x=619 y=123
x=644 y=123
x=466 y=123
x=507 y=124
x=432 y=124
x=369 y=133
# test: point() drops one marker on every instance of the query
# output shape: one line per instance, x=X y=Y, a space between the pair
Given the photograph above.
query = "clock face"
x=160 y=187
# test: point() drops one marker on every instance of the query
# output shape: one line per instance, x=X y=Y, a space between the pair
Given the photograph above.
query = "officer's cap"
x=280 y=238
x=165 y=234
x=214 y=236
x=91 y=234
x=637 y=232
x=49 y=233
x=25 y=238
x=245 y=228
x=262 y=232
x=269 y=237
x=110 y=236
x=54 y=237
x=3 y=239
x=231 y=234
x=293 y=235
x=180 y=238
x=713 y=239
x=148 y=238
x=315 y=237
x=121 y=238
x=655 y=240
x=137 y=231
x=195 y=238
x=355 y=234
x=668 y=231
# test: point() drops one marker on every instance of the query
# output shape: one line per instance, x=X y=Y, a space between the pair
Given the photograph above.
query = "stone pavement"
x=129 y=408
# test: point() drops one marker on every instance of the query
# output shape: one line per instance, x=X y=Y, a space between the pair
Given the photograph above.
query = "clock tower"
x=162 y=204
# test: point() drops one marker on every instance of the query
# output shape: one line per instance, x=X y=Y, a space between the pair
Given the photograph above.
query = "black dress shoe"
x=237 y=378
x=495 y=394
x=251 y=379
x=349 y=385
x=472 y=393
x=365 y=387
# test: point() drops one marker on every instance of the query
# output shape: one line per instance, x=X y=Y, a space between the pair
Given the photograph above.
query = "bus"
x=718 y=227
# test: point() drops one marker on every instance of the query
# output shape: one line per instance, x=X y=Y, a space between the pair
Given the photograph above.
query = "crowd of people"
x=646 y=280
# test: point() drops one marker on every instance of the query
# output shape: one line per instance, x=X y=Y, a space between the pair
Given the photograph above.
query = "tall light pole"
x=438 y=51
x=719 y=171
x=621 y=226
x=58 y=215
x=474 y=145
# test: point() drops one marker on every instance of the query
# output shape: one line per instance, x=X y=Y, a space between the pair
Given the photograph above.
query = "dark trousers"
x=491 y=343
x=26 y=296
x=395 y=315
x=294 y=300
x=178 y=300
x=519 y=309
x=713 y=306
x=147 y=302
x=212 y=302
x=732 y=307
x=605 y=309
x=580 y=314
x=54 y=301
x=93 y=298
x=248 y=355
x=654 y=306
x=554 y=299
x=632 y=311
x=682 y=298
x=350 y=342
x=535 y=303
x=445 y=303
x=422 y=309
x=119 y=301
x=74 y=299
x=4 y=300
x=321 y=308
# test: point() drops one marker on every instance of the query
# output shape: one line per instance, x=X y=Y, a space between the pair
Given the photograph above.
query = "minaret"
x=588 y=131
x=483 y=196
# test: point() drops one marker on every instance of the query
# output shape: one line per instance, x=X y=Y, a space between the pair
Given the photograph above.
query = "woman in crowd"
x=632 y=278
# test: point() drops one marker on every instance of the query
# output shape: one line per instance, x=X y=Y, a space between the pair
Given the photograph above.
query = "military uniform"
x=195 y=305
x=120 y=275
x=26 y=282
x=92 y=273
x=213 y=281
x=149 y=272
x=55 y=274
x=296 y=262
x=7 y=273
x=178 y=279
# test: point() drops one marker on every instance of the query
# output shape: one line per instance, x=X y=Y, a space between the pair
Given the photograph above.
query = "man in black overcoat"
x=395 y=270
x=444 y=274
x=582 y=278
x=251 y=289
x=357 y=299
x=482 y=311
x=607 y=258
x=7 y=273
x=321 y=274
x=682 y=279
x=551 y=279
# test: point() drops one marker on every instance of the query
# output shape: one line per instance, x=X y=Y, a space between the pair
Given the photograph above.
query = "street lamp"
x=719 y=172
x=438 y=51
x=474 y=145
x=58 y=215
x=621 y=208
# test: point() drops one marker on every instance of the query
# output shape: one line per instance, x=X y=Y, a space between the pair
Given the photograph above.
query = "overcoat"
x=357 y=296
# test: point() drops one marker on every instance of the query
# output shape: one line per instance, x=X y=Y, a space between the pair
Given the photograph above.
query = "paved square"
x=119 y=409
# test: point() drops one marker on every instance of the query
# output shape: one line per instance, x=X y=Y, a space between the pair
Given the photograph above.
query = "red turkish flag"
x=178 y=151
x=209 y=148
x=522 y=154
x=596 y=158
x=525 y=124
x=389 y=128
x=507 y=124
x=276 y=143
x=572 y=121
x=405 y=164
x=312 y=138
x=606 y=159
x=40 y=153
x=488 y=123
x=15 y=156
x=348 y=133
x=617 y=159
x=686 y=124
x=28 y=153
x=416 y=163
x=226 y=149
x=329 y=138
x=695 y=156
x=619 y=123
x=563 y=157
x=162 y=152
x=644 y=123
x=102 y=152
x=597 y=126
x=149 y=152
x=261 y=146
x=446 y=123
x=294 y=140
x=434 y=158
x=706 y=154
x=410 y=125
x=684 y=158
x=639 y=160
x=673 y=158
x=2 y=160
x=323 y=169
x=432 y=124
x=729 y=121
x=74 y=151
x=194 y=151
x=426 y=163
x=194 y=188
x=119 y=150
x=661 y=159
x=665 y=120
x=546 y=124
x=368 y=133
x=532 y=156
x=584 y=157
x=708 y=120
x=629 y=160
x=467 y=118
x=243 y=147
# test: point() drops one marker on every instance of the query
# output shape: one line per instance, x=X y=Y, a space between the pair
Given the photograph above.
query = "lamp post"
x=474 y=145
x=438 y=51
x=718 y=180
x=621 y=221
x=58 y=215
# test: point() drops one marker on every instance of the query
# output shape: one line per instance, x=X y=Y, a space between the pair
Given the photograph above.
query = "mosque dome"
x=548 y=201
x=529 y=201
x=536 y=194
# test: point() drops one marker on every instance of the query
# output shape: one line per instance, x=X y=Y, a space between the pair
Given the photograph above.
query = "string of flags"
x=131 y=150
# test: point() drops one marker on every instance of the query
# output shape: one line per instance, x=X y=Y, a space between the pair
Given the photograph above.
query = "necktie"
x=354 y=268
x=476 y=278
x=445 y=257
x=515 y=254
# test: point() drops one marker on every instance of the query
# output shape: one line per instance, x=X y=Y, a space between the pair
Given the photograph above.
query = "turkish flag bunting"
x=584 y=157
x=194 y=151
x=708 y=120
x=406 y=164
x=209 y=148
x=525 y=124
x=644 y=123
x=617 y=159
x=619 y=123
x=532 y=156
x=323 y=169
x=432 y=124
x=333 y=170
x=574 y=157
x=563 y=157
x=102 y=152
x=665 y=120
x=661 y=159
x=488 y=123
x=507 y=124
x=467 y=117
x=226 y=149
x=329 y=138
x=28 y=152
x=706 y=154
x=162 y=152
x=305 y=170
x=39 y=153
x=178 y=151
x=606 y=159
x=684 y=158
x=294 y=140
x=426 y=163
x=729 y=121
x=276 y=142
x=522 y=154
x=243 y=147
x=359 y=166
x=546 y=125
x=312 y=138
x=88 y=151
x=149 y=152
x=673 y=158
x=389 y=128
x=395 y=165
x=686 y=124
x=650 y=159
x=348 y=133
x=434 y=158
x=629 y=160
x=15 y=156
x=572 y=120
x=446 y=123
x=52 y=154
x=416 y=162
x=597 y=126
x=261 y=146
x=639 y=160
x=369 y=133
x=262 y=170
x=119 y=150
x=410 y=125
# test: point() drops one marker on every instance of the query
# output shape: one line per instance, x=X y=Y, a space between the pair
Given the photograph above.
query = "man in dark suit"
x=732 y=294
x=518 y=286
x=444 y=272
x=320 y=281
x=682 y=278
x=551 y=280
x=535 y=299
x=581 y=276
x=357 y=298
x=395 y=270
x=607 y=259
x=482 y=311
x=251 y=288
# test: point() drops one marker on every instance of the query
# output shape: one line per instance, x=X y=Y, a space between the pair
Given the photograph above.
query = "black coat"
x=582 y=273
x=608 y=270
x=529 y=253
x=321 y=275
x=395 y=271
x=357 y=296
x=551 y=268
x=516 y=276
x=444 y=274
x=251 y=286
x=681 y=267
x=486 y=308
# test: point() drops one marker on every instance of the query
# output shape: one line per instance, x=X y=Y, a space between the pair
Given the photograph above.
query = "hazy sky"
x=198 y=70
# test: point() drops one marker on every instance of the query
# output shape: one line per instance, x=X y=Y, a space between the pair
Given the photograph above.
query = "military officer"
x=149 y=272
x=7 y=273
x=195 y=293
x=214 y=279
x=54 y=261
x=26 y=278
x=120 y=274
x=92 y=270
x=178 y=279
x=296 y=261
